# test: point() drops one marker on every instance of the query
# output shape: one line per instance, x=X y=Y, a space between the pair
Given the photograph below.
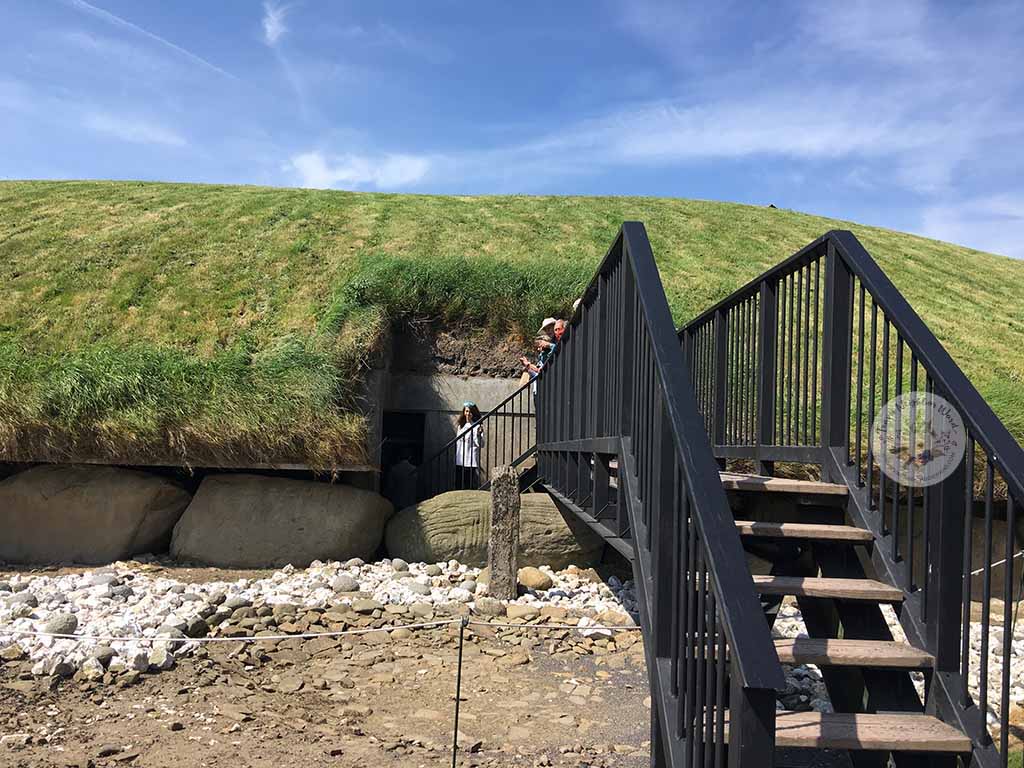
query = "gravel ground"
x=138 y=617
x=529 y=697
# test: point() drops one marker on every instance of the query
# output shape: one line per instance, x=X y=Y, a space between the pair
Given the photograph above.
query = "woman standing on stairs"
x=467 y=448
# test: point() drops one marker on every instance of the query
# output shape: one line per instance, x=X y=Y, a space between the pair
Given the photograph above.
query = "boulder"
x=455 y=526
x=86 y=514
x=254 y=521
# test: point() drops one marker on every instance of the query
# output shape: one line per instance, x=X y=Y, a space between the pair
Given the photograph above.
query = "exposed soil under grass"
x=462 y=351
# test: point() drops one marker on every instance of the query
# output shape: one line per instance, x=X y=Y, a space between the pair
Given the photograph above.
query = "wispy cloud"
x=273 y=22
x=390 y=171
x=117 y=21
x=133 y=130
x=994 y=223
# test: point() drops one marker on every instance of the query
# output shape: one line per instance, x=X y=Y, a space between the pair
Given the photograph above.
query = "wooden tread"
x=803 y=531
x=840 y=589
x=888 y=733
x=732 y=481
x=883 y=654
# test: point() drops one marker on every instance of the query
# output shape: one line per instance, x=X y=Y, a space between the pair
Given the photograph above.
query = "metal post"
x=751 y=725
x=945 y=568
x=458 y=690
x=766 y=329
x=602 y=484
x=836 y=365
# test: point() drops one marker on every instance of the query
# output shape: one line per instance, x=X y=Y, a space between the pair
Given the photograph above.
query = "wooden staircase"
x=878 y=713
x=636 y=420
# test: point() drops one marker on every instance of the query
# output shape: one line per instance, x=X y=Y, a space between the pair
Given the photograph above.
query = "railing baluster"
x=721 y=372
x=897 y=552
x=860 y=383
x=884 y=427
x=794 y=300
x=911 y=581
x=798 y=343
x=967 y=483
x=986 y=594
x=814 y=367
x=767 y=327
x=1008 y=625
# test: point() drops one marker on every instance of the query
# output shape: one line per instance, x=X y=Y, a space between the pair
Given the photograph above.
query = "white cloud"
x=117 y=21
x=391 y=171
x=273 y=22
x=133 y=130
x=994 y=224
x=879 y=30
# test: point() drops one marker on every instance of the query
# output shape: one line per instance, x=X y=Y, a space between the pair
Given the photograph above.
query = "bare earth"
x=528 y=698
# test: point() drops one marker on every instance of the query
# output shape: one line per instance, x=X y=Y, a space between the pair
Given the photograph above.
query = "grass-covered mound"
x=227 y=325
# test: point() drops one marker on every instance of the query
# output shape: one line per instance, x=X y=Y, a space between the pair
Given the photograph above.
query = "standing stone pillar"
x=503 y=541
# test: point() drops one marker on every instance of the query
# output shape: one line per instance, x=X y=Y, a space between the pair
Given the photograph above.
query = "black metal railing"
x=617 y=388
x=508 y=434
x=795 y=367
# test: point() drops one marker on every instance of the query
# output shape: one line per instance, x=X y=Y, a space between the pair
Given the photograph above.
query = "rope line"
x=245 y=639
x=997 y=564
x=578 y=628
x=7 y=630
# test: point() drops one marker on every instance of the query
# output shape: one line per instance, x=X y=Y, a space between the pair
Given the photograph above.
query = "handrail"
x=726 y=558
x=438 y=473
x=754 y=362
x=617 y=384
x=990 y=431
x=447 y=446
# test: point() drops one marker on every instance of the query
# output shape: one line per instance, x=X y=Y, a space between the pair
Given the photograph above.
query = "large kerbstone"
x=253 y=521
x=86 y=514
x=455 y=526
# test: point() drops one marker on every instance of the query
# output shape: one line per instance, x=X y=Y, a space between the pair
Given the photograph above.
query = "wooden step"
x=732 y=481
x=884 y=654
x=840 y=589
x=888 y=732
x=803 y=531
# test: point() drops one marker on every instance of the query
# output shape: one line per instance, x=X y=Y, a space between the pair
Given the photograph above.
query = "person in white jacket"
x=469 y=443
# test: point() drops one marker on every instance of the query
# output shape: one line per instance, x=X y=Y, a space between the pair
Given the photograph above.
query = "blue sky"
x=902 y=114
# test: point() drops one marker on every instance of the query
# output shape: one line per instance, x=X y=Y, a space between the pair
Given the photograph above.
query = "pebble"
x=133 y=600
x=535 y=579
x=61 y=624
x=345 y=583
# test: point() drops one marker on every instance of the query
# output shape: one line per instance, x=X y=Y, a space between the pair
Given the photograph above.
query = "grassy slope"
x=226 y=323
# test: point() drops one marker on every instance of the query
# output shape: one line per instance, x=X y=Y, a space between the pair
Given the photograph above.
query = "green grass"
x=212 y=324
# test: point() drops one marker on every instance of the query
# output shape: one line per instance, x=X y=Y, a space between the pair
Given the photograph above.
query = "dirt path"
x=364 y=701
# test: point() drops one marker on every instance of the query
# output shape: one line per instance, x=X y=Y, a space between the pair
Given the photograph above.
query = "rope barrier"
x=7 y=630
x=585 y=628
x=245 y=639
x=997 y=564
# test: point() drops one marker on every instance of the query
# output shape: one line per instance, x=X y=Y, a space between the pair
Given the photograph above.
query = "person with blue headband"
x=469 y=442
